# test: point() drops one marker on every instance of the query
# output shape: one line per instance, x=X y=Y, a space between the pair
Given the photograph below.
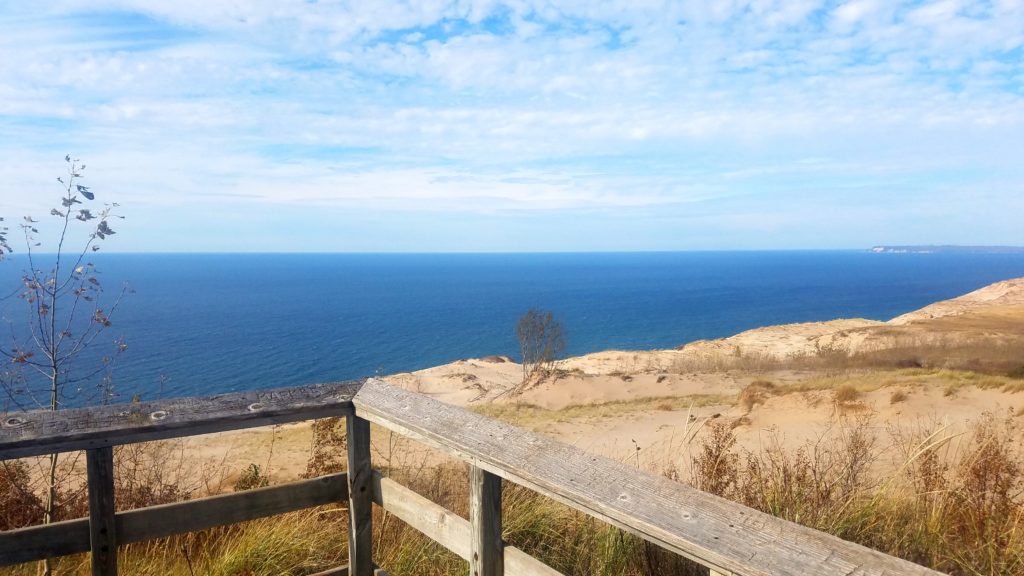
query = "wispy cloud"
x=506 y=111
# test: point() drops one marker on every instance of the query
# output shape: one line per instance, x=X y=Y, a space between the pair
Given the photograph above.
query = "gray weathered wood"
x=360 y=494
x=446 y=527
x=102 y=531
x=486 y=557
x=343 y=571
x=723 y=535
x=39 y=432
x=195 y=515
x=45 y=541
x=72 y=537
x=436 y=522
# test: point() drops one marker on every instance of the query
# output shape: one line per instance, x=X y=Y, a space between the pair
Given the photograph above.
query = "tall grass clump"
x=955 y=504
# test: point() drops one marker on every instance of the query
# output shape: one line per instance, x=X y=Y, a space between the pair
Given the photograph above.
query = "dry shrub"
x=897 y=396
x=995 y=353
x=813 y=484
x=959 y=509
x=832 y=355
x=251 y=477
x=966 y=507
x=720 y=362
x=20 y=506
x=716 y=467
x=986 y=511
x=846 y=395
x=327 y=451
x=756 y=393
x=152 y=473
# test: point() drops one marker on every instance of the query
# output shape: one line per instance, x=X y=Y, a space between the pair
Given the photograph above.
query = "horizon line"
x=16 y=254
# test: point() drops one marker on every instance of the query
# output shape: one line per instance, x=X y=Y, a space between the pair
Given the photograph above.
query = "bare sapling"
x=65 y=312
x=541 y=342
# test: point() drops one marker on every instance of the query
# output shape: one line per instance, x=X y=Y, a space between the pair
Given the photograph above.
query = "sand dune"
x=617 y=401
x=645 y=406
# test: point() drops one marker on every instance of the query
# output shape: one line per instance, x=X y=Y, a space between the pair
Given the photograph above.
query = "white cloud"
x=525 y=105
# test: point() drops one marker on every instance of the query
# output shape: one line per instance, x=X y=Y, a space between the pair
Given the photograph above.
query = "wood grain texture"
x=485 y=554
x=39 y=432
x=343 y=571
x=194 y=515
x=360 y=498
x=102 y=531
x=436 y=522
x=446 y=527
x=45 y=541
x=72 y=537
x=723 y=535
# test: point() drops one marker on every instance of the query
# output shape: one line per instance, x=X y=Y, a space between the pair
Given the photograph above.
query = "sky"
x=477 y=125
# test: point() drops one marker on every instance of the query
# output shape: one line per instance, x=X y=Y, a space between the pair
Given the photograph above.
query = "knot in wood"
x=15 y=422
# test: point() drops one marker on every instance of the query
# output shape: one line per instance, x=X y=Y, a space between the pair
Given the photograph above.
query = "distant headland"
x=948 y=249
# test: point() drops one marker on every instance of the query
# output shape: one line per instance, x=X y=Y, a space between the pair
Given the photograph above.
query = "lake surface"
x=199 y=324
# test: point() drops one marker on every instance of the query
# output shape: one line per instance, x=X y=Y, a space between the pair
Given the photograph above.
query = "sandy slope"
x=598 y=400
x=1005 y=294
x=711 y=373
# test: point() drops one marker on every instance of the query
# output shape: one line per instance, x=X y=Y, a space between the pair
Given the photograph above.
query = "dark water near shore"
x=212 y=323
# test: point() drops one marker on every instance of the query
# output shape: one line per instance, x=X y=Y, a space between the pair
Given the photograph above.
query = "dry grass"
x=954 y=506
x=866 y=380
x=530 y=415
x=711 y=362
x=955 y=503
x=756 y=393
x=846 y=395
x=984 y=344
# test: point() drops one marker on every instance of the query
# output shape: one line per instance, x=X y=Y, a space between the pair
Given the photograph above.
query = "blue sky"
x=524 y=126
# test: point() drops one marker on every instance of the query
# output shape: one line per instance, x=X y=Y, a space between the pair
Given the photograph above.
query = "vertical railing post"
x=360 y=503
x=102 y=538
x=487 y=556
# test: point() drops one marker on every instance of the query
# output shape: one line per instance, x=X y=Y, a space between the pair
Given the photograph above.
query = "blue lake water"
x=220 y=322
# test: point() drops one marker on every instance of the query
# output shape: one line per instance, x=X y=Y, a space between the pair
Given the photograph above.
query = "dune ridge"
x=643 y=404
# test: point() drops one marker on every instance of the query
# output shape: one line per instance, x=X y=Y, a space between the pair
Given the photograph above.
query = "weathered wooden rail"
x=724 y=536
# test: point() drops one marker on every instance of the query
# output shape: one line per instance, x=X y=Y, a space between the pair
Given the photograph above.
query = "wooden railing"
x=726 y=537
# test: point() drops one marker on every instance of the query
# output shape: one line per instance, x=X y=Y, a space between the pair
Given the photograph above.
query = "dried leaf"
x=104 y=230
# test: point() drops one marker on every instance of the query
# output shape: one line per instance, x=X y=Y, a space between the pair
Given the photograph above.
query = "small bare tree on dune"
x=64 y=315
x=541 y=342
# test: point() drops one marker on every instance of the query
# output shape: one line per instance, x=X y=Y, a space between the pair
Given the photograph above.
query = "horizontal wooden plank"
x=38 y=432
x=72 y=537
x=433 y=520
x=203 y=513
x=446 y=527
x=343 y=571
x=723 y=535
x=49 y=541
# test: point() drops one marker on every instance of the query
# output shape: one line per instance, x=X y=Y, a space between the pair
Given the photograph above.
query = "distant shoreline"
x=947 y=249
